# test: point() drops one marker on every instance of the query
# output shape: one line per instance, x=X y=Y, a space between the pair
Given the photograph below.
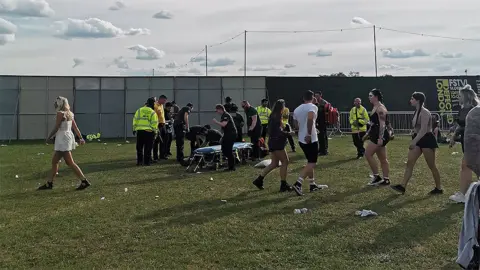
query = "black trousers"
x=239 y=135
x=180 y=141
x=264 y=130
x=322 y=139
x=193 y=146
x=358 y=142
x=227 y=151
x=169 y=143
x=254 y=139
x=144 y=146
x=160 y=143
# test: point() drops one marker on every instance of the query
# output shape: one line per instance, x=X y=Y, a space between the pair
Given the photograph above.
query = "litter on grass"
x=365 y=213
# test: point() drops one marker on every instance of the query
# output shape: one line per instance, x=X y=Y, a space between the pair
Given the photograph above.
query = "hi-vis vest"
x=361 y=116
x=264 y=113
x=285 y=115
x=145 y=119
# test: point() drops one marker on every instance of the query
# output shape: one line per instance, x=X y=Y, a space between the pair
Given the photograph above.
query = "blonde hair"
x=61 y=105
x=467 y=97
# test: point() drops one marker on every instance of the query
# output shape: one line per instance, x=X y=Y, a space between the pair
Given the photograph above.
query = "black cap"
x=263 y=100
x=189 y=105
x=151 y=102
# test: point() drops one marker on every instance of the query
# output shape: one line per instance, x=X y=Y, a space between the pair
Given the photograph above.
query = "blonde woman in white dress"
x=64 y=143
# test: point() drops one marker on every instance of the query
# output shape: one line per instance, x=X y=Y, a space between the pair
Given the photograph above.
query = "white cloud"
x=220 y=62
x=391 y=67
x=360 y=21
x=119 y=62
x=94 y=28
x=147 y=53
x=397 y=53
x=26 y=8
x=320 y=53
x=217 y=70
x=290 y=65
x=4 y=39
x=449 y=55
x=195 y=71
x=443 y=68
x=117 y=6
x=77 y=62
x=7 y=28
x=261 y=68
x=197 y=59
x=163 y=14
x=172 y=65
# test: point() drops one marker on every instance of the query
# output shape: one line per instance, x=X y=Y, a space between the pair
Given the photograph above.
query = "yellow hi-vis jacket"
x=145 y=119
x=285 y=115
x=359 y=119
x=264 y=114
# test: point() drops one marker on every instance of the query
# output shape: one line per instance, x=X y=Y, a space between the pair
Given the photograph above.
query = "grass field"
x=168 y=219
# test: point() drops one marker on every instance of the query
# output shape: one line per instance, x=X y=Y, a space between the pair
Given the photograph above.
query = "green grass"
x=188 y=227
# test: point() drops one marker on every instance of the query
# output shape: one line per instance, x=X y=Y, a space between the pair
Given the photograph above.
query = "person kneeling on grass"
x=229 y=135
x=277 y=140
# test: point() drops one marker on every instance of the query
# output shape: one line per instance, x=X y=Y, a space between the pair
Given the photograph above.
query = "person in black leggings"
x=423 y=142
x=229 y=135
x=379 y=137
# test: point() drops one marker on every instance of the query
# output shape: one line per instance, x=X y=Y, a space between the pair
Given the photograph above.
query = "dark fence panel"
x=441 y=91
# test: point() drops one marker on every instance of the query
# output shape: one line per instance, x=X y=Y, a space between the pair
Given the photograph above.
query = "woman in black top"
x=379 y=137
x=468 y=100
x=276 y=144
x=229 y=135
x=423 y=142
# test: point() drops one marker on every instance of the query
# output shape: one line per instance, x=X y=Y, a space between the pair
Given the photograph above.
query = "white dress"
x=64 y=138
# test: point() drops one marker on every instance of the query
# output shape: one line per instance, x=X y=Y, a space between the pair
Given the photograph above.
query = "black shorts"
x=310 y=150
x=427 y=141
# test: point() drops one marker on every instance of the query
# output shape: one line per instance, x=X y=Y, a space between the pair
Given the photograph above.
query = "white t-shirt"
x=301 y=115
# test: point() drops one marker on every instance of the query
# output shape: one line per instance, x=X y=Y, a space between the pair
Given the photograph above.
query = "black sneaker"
x=386 y=182
x=315 y=187
x=258 y=182
x=297 y=187
x=84 y=185
x=376 y=180
x=436 y=191
x=284 y=186
x=399 y=188
x=48 y=185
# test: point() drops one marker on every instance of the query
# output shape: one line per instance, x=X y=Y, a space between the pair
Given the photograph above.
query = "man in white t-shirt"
x=306 y=116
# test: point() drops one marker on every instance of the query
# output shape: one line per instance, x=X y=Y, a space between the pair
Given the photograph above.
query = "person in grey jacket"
x=468 y=234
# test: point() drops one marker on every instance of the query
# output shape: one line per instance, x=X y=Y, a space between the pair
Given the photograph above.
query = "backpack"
x=331 y=114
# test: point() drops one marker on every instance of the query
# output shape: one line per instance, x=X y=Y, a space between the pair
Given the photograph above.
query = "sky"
x=167 y=37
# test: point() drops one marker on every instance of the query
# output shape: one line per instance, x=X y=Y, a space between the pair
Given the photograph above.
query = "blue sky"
x=135 y=37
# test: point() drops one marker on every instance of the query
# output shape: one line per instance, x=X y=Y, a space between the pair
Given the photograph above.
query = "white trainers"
x=458 y=197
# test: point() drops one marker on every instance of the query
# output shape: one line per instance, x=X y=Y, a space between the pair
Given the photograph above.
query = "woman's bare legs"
x=57 y=156
x=369 y=152
x=382 y=157
x=67 y=156
x=465 y=177
x=413 y=155
x=429 y=155
x=283 y=158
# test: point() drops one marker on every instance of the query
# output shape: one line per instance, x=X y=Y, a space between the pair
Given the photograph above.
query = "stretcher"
x=210 y=157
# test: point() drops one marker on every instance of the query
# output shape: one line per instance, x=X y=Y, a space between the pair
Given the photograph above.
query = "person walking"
x=358 y=121
x=306 y=116
x=423 y=142
x=277 y=140
x=229 y=134
x=64 y=143
x=145 y=124
x=287 y=127
x=254 y=128
x=264 y=113
x=322 y=124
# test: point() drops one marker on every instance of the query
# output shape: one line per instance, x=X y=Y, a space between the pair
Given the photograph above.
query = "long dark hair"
x=278 y=108
x=420 y=97
x=377 y=93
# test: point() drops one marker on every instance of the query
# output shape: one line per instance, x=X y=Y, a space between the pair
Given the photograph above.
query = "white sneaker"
x=458 y=197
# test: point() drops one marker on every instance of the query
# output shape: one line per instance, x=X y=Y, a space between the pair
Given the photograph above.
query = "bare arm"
x=185 y=118
x=310 y=123
x=223 y=123
x=382 y=117
x=58 y=122
x=254 y=121
x=76 y=129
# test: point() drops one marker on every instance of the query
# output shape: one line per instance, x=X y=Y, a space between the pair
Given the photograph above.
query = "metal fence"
x=106 y=104
x=401 y=122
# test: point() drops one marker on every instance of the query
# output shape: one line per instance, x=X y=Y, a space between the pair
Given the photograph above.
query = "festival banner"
x=447 y=97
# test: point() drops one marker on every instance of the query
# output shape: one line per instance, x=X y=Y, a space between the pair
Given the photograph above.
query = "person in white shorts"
x=64 y=143
x=306 y=116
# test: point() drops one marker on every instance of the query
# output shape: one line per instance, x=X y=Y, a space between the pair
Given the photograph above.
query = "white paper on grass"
x=265 y=163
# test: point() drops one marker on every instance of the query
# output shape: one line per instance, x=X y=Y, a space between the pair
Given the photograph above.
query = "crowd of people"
x=158 y=123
